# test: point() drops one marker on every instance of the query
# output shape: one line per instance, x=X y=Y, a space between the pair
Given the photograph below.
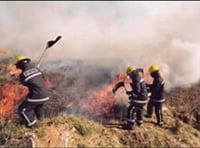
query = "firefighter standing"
x=137 y=97
x=31 y=108
x=157 y=95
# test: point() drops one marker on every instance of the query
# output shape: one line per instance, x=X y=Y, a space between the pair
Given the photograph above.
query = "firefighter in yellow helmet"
x=157 y=95
x=137 y=97
x=31 y=108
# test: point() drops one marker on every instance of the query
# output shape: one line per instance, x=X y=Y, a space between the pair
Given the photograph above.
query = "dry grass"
x=87 y=133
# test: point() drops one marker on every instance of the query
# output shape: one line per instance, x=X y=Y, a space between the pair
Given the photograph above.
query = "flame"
x=11 y=94
x=95 y=102
x=101 y=102
x=98 y=102
x=52 y=80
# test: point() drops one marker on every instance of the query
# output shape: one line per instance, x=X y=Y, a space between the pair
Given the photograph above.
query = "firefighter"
x=31 y=108
x=157 y=95
x=137 y=97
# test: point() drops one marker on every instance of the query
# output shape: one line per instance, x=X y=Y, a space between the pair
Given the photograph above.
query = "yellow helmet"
x=130 y=69
x=153 y=68
x=21 y=58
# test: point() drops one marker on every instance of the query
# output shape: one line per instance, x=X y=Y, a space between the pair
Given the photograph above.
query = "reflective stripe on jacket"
x=139 y=90
x=157 y=89
x=32 y=77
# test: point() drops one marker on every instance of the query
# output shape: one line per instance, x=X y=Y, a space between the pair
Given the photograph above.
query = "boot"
x=128 y=126
x=159 y=124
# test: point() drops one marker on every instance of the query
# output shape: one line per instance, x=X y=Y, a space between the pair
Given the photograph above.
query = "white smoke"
x=136 y=33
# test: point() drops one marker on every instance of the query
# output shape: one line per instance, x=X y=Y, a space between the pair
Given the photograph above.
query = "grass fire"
x=99 y=74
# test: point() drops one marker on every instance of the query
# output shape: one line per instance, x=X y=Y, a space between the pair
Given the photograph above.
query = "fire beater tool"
x=117 y=86
x=48 y=45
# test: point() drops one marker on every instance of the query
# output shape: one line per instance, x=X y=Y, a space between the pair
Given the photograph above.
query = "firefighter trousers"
x=30 y=112
x=135 y=110
x=158 y=110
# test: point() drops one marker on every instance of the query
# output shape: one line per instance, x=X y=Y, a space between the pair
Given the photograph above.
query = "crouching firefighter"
x=137 y=97
x=157 y=95
x=31 y=108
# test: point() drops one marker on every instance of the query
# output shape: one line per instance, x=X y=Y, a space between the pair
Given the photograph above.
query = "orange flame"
x=101 y=102
x=11 y=95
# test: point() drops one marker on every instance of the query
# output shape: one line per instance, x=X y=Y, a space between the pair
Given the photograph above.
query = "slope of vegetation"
x=71 y=131
x=59 y=129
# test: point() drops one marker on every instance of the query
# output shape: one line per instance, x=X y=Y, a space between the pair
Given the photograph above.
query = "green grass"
x=40 y=133
x=11 y=130
x=91 y=134
x=82 y=127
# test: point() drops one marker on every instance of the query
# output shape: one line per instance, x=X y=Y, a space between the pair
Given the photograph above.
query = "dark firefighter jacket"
x=139 y=90
x=32 y=77
x=157 y=88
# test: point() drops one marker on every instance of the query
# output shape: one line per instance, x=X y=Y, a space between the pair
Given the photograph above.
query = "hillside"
x=69 y=131
x=185 y=104
x=63 y=126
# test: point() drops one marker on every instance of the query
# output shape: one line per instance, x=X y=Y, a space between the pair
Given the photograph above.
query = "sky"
x=138 y=33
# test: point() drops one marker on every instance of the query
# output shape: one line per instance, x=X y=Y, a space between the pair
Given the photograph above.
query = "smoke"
x=114 y=34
